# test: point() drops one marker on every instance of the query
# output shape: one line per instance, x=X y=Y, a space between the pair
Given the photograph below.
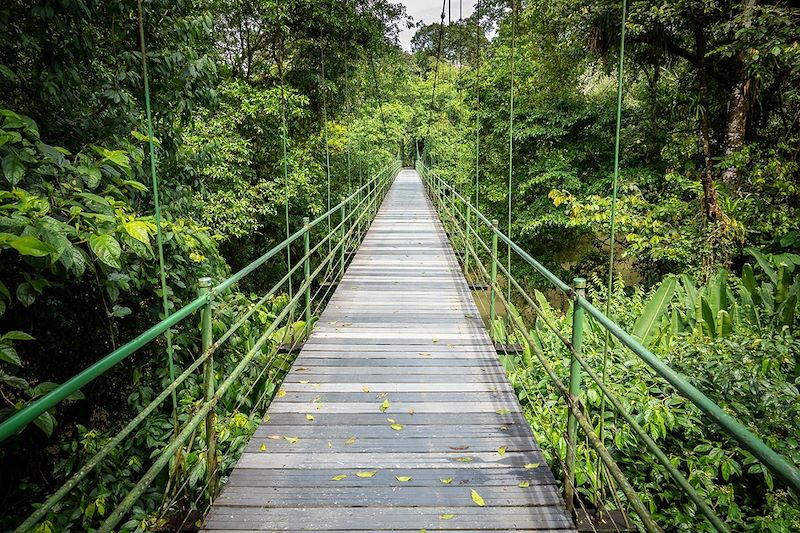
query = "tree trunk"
x=737 y=105
x=710 y=202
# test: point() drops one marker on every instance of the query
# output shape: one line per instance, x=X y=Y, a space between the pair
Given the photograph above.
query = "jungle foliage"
x=707 y=217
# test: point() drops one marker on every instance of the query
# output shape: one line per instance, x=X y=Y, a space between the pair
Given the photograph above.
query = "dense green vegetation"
x=707 y=215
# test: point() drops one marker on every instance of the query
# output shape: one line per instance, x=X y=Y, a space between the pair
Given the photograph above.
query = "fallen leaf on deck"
x=477 y=498
x=501 y=451
x=532 y=465
x=446 y=516
x=403 y=478
x=524 y=484
x=465 y=459
x=303 y=382
x=291 y=440
x=365 y=474
x=263 y=447
x=339 y=477
x=310 y=417
x=281 y=393
x=365 y=389
x=503 y=411
x=384 y=406
x=351 y=440
x=446 y=480
x=397 y=427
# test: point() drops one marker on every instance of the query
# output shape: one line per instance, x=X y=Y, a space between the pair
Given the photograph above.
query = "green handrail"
x=777 y=463
x=29 y=413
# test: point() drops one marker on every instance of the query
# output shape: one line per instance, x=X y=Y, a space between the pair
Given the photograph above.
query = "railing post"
x=466 y=241
x=307 y=270
x=493 y=280
x=342 y=243
x=209 y=382
x=579 y=284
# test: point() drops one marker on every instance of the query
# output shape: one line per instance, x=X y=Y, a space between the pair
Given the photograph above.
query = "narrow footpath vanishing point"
x=397 y=414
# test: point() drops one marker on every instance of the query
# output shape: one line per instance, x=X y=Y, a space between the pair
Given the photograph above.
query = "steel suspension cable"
x=436 y=72
x=284 y=143
x=377 y=94
x=157 y=206
x=325 y=134
x=511 y=128
x=615 y=190
x=477 y=101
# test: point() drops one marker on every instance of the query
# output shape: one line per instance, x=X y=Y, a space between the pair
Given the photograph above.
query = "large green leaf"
x=788 y=311
x=724 y=323
x=32 y=246
x=647 y=324
x=107 y=249
x=13 y=169
x=764 y=263
x=9 y=354
x=708 y=323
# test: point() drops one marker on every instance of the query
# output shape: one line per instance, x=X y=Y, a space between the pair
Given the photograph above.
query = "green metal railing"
x=467 y=228
x=319 y=268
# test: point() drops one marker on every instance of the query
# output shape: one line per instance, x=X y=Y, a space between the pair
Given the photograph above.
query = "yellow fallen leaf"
x=304 y=382
x=281 y=393
x=274 y=437
x=397 y=427
x=351 y=440
x=446 y=516
x=501 y=451
x=465 y=459
x=384 y=406
x=365 y=474
x=330 y=444
x=524 y=484
x=291 y=440
x=365 y=389
x=403 y=478
x=266 y=418
x=263 y=447
x=503 y=411
x=435 y=340
x=310 y=417
x=532 y=465
x=391 y=420
x=339 y=477
x=477 y=499
x=446 y=480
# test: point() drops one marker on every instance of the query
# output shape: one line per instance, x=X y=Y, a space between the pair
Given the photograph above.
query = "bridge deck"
x=401 y=328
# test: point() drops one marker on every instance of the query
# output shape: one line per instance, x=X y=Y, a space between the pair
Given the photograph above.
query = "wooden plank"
x=382 y=518
x=400 y=327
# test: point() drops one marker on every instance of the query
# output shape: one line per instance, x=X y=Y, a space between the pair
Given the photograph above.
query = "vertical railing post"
x=579 y=285
x=209 y=386
x=307 y=270
x=466 y=241
x=493 y=279
x=342 y=210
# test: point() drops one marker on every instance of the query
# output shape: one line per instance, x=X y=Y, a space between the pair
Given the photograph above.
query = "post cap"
x=579 y=283
x=204 y=282
x=495 y=222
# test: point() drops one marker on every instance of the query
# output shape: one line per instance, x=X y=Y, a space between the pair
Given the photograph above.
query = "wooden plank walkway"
x=402 y=331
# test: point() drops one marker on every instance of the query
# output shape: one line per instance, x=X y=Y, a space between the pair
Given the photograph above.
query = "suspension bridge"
x=410 y=410
x=396 y=414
